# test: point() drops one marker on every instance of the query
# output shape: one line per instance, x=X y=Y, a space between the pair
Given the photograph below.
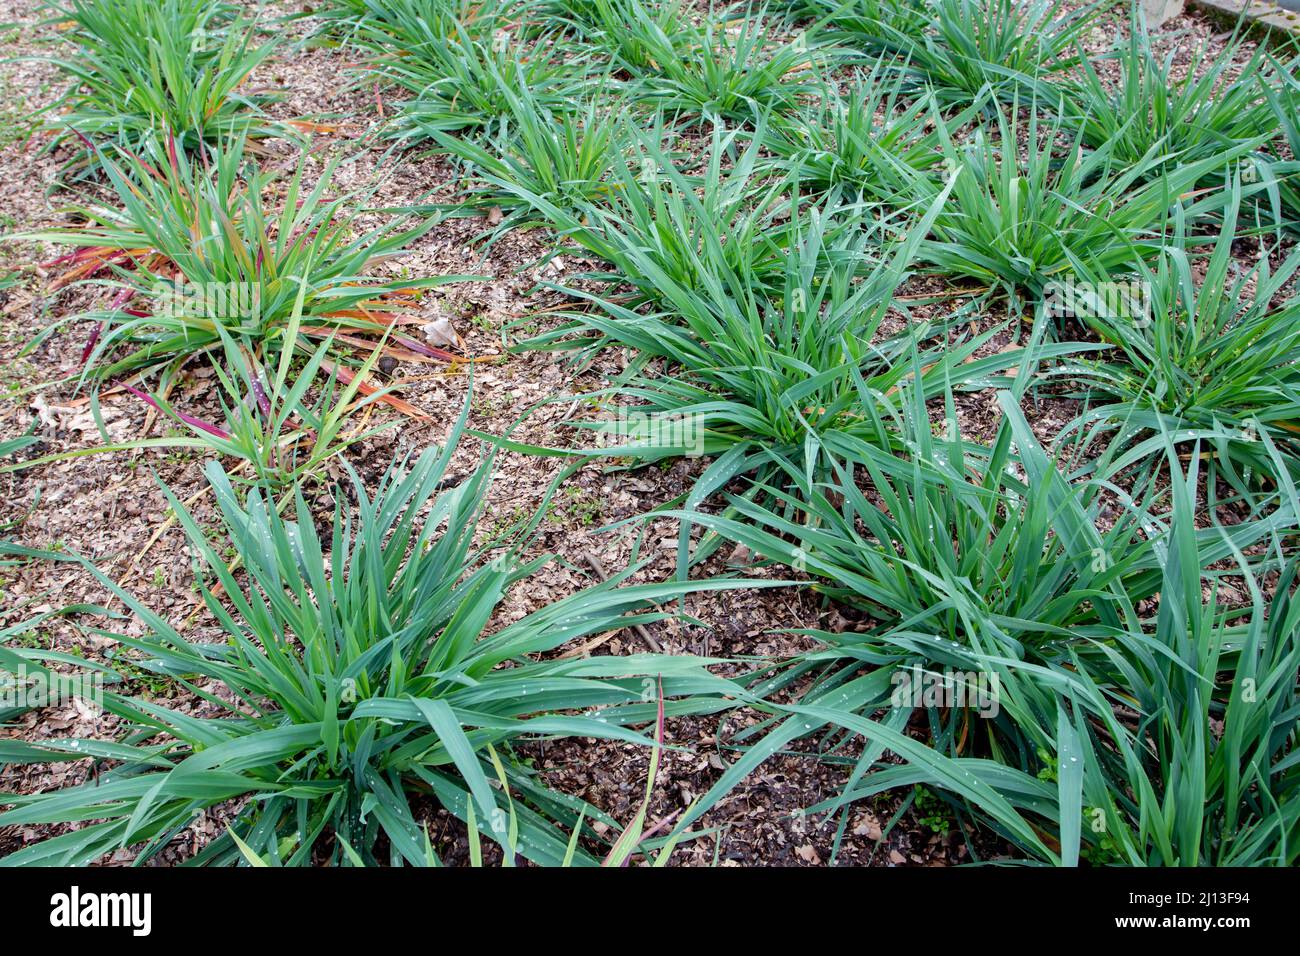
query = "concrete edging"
x=1262 y=16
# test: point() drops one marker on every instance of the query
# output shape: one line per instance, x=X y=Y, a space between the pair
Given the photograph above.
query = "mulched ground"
x=110 y=506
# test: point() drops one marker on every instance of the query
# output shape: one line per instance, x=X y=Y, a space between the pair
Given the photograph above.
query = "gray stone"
x=1160 y=12
x=1262 y=17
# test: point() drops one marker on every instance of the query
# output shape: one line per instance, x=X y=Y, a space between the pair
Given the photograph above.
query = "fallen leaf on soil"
x=740 y=555
x=440 y=332
x=808 y=854
x=867 y=826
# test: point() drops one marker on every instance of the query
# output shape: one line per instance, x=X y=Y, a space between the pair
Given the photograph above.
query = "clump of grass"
x=197 y=253
x=1001 y=46
x=990 y=564
x=355 y=678
x=409 y=17
x=1212 y=358
x=457 y=76
x=1024 y=215
x=879 y=26
x=633 y=36
x=837 y=141
x=664 y=214
x=283 y=425
x=1153 y=113
x=560 y=157
x=732 y=71
x=144 y=69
